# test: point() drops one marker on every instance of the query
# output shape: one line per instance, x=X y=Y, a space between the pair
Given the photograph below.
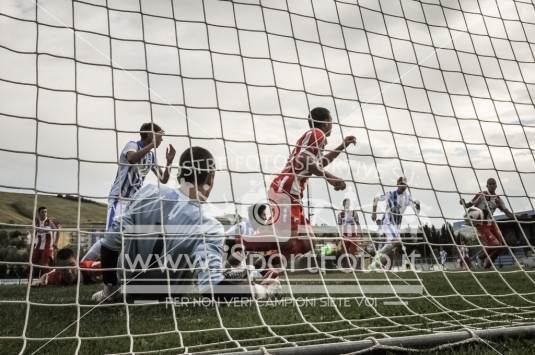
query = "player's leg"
x=349 y=242
x=468 y=261
x=493 y=239
x=481 y=257
x=301 y=240
x=490 y=240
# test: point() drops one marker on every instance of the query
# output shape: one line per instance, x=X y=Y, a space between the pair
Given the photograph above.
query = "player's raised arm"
x=416 y=205
x=376 y=200
x=163 y=174
x=314 y=168
x=333 y=154
x=151 y=137
x=475 y=200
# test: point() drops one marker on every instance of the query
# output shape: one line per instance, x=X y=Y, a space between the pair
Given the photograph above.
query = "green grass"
x=18 y=208
x=104 y=329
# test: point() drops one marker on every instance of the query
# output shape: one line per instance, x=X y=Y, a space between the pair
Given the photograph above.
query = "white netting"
x=438 y=91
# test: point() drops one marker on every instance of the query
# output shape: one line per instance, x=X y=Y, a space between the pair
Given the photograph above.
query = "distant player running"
x=348 y=221
x=246 y=229
x=66 y=272
x=46 y=241
x=287 y=189
x=136 y=160
x=443 y=257
x=397 y=202
x=193 y=242
x=488 y=201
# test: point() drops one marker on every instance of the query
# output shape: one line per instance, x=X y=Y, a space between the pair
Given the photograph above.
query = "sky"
x=439 y=91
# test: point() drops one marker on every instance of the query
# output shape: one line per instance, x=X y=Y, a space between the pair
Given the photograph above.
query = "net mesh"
x=438 y=91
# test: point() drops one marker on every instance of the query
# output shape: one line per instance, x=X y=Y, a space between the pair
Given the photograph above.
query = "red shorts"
x=43 y=257
x=280 y=202
x=289 y=222
x=489 y=234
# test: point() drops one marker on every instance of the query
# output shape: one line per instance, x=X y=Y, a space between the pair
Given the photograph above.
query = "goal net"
x=439 y=92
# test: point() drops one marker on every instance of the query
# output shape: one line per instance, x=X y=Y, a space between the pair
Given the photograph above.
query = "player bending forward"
x=397 y=202
x=135 y=162
x=292 y=229
x=488 y=201
x=348 y=221
x=182 y=232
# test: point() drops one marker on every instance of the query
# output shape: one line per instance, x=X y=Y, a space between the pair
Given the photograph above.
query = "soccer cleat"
x=109 y=293
x=235 y=274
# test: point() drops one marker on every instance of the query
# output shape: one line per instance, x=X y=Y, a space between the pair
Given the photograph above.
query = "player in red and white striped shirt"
x=287 y=189
x=45 y=240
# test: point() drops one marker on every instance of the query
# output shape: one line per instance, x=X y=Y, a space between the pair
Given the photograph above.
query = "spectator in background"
x=464 y=256
x=66 y=274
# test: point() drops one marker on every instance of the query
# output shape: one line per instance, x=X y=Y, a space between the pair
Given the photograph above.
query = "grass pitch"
x=57 y=324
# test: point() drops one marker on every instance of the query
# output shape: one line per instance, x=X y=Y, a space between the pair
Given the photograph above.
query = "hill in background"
x=18 y=208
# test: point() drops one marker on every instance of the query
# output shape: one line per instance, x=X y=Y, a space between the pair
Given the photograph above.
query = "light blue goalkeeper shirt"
x=193 y=240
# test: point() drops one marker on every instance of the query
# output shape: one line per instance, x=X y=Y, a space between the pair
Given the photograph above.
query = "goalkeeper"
x=489 y=233
x=192 y=240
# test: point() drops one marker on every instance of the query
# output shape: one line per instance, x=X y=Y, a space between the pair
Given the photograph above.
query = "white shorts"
x=391 y=232
x=116 y=208
x=93 y=253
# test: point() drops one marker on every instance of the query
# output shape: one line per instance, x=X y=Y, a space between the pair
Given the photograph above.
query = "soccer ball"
x=473 y=215
x=328 y=249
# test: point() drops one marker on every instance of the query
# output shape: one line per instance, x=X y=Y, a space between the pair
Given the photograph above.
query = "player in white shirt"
x=45 y=242
x=172 y=225
x=244 y=231
x=443 y=256
x=348 y=221
x=135 y=161
x=397 y=202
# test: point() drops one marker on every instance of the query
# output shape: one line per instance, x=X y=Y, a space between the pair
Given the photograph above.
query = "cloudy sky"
x=440 y=91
